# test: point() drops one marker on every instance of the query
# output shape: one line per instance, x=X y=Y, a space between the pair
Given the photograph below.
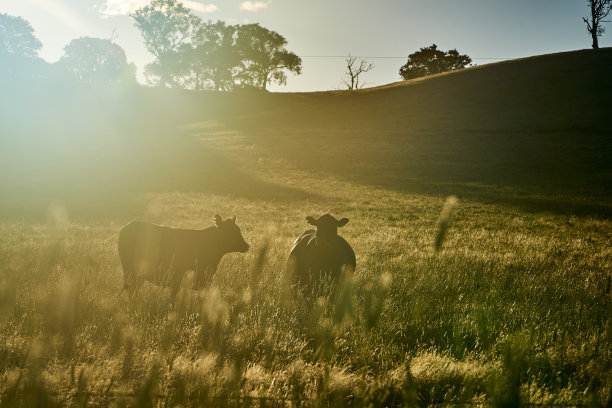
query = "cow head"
x=327 y=225
x=230 y=235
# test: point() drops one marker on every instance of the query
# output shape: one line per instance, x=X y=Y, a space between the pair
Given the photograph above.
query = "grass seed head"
x=444 y=220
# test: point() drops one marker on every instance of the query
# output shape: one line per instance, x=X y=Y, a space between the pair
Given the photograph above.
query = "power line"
x=363 y=56
x=391 y=57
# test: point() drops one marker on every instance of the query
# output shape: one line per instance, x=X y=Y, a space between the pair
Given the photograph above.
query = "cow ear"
x=234 y=219
x=218 y=220
x=311 y=220
x=342 y=222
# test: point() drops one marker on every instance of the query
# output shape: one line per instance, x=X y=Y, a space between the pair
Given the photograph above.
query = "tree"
x=599 y=10
x=17 y=37
x=216 y=45
x=264 y=57
x=96 y=60
x=165 y=26
x=354 y=68
x=430 y=60
x=212 y=60
x=19 y=49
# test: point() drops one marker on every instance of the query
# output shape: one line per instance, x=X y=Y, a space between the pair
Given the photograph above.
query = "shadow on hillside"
x=565 y=172
x=530 y=133
x=576 y=185
x=529 y=200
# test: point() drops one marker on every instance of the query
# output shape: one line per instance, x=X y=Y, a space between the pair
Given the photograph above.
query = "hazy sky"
x=372 y=28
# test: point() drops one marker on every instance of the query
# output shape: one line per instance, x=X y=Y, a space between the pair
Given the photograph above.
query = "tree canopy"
x=211 y=60
x=165 y=26
x=19 y=49
x=430 y=60
x=17 y=37
x=196 y=55
x=188 y=53
x=97 y=60
x=216 y=47
x=264 y=57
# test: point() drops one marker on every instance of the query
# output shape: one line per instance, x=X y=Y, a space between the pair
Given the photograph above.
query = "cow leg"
x=131 y=282
x=292 y=271
x=134 y=275
x=175 y=286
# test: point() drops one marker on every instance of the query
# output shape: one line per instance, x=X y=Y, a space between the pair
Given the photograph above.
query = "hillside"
x=533 y=132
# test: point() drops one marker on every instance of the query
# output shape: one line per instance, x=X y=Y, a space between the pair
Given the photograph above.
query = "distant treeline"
x=189 y=53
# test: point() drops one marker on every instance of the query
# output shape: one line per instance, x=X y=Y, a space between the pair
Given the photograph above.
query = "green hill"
x=533 y=132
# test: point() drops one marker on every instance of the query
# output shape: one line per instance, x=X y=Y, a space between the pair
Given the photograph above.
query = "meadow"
x=513 y=309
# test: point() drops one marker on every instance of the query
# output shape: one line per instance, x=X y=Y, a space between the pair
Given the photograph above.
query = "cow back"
x=312 y=258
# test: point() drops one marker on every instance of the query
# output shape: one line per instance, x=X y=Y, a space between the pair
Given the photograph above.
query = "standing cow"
x=320 y=253
x=162 y=255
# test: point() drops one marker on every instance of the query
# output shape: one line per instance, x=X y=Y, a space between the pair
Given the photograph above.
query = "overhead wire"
x=364 y=56
x=390 y=57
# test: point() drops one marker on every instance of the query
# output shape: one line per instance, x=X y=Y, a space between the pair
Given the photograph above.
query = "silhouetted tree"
x=599 y=10
x=17 y=37
x=355 y=67
x=217 y=44
x=165 y=26
x=212 y=59
x=264 y=57
x=96 y=60
x=19 y=48
x=430 y=60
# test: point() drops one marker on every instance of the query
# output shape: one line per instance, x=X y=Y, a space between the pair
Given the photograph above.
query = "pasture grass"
x=514 y=305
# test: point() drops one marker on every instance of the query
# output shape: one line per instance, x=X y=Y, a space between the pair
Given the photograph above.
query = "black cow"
x=320 y=253
x=162 y=255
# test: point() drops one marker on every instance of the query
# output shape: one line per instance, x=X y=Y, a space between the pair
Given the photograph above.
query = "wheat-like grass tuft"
x=443 y=224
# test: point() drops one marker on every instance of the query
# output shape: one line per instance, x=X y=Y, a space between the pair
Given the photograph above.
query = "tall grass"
x=513 y=308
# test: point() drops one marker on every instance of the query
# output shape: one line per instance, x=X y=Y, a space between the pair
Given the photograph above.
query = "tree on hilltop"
x=165 y=26
x=212 y=59
x=354 y=68
x=599 y=10
x=19 y=49
x=17 y=37
x=216 y=43
x=195 y=55
x=97 y=60
x=430 y=60
x=264 y=57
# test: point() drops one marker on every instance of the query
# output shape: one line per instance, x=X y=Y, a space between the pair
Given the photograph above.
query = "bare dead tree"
x=599 y=10
x=355 y=67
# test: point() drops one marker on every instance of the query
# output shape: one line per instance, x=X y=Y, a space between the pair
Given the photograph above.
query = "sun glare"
x=62 y=13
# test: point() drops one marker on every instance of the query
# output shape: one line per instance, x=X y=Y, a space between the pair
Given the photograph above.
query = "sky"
x=324 y=32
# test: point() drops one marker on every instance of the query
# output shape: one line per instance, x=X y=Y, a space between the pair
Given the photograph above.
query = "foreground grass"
x=515 y=305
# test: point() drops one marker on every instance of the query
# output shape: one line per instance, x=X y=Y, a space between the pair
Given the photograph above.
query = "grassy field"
x=515 y=308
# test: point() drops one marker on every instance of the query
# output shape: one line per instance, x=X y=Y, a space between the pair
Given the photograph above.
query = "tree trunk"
x=595 y=40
